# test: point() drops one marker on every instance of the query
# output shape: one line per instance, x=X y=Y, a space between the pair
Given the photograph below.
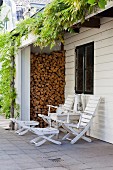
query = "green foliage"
x=91 y=2
x=6 y=51
x=17 y=111
x=102 y=3
x=58 y=17
x=48 y=27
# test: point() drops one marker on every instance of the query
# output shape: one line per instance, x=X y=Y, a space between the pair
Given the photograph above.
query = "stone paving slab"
x=17 y=153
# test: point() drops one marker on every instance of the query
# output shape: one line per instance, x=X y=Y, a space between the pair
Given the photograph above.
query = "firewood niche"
x=47 y=83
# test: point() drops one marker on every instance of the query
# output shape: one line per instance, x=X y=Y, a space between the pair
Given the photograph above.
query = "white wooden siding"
x=103 y=73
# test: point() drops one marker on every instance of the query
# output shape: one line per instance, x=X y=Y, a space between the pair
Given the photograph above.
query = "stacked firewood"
x=47 y=83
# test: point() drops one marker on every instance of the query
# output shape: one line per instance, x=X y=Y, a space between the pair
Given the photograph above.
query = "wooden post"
x=62 y=47
x=12 y=88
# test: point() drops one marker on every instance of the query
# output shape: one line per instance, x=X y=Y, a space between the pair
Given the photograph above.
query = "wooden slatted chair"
x=60 y=110
x=79 y=130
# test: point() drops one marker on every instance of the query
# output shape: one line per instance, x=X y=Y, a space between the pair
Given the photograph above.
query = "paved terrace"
x=16 y=153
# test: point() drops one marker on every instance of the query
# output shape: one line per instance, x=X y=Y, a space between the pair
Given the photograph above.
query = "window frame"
x=84 y=80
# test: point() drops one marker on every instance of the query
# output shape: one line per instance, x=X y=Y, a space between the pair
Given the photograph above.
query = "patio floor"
x=16 y=153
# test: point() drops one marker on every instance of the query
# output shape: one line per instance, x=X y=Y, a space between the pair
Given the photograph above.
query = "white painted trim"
x=30 y=40
x=25 y=84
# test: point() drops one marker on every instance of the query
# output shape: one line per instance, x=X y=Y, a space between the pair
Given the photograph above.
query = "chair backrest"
x=69 y=102
x=67 y=105
x=89 y=111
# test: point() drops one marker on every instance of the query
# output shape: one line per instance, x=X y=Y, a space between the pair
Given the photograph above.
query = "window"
x=84 y=68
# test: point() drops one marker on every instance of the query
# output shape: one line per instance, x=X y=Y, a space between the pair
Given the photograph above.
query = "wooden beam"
x=93 y=22
x=12 y=86
x=76 y=30
x=12 y=83
x=107 y=13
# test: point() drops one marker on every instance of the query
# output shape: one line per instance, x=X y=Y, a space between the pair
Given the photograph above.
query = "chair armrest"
x=69 y=110
x=40 y=115
x=61 y=121
x=52 y=106
x=47 y=119
x=44 y=116
x=78 y=112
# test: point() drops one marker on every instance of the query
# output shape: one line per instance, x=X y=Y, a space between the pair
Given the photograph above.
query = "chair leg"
x=80 y=135
x=35 y=140
x=52 y=140
x=57 y=135
x=45 y=138
x=66 y=136
x=23 y=132
x=69 y=130
x=86 y=139
x=18 y=131
x=40 y=143
x=76 y=139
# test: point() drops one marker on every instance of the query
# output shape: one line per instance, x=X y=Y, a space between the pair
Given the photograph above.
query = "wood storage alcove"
x=47 y=83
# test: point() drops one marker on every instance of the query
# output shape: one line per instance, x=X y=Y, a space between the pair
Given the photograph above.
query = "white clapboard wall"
x=103 y=73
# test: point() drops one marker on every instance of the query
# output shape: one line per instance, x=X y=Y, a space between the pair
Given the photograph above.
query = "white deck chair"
x=78 y=130
x=24 y=126
x=61 y=109
x=44 y=134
